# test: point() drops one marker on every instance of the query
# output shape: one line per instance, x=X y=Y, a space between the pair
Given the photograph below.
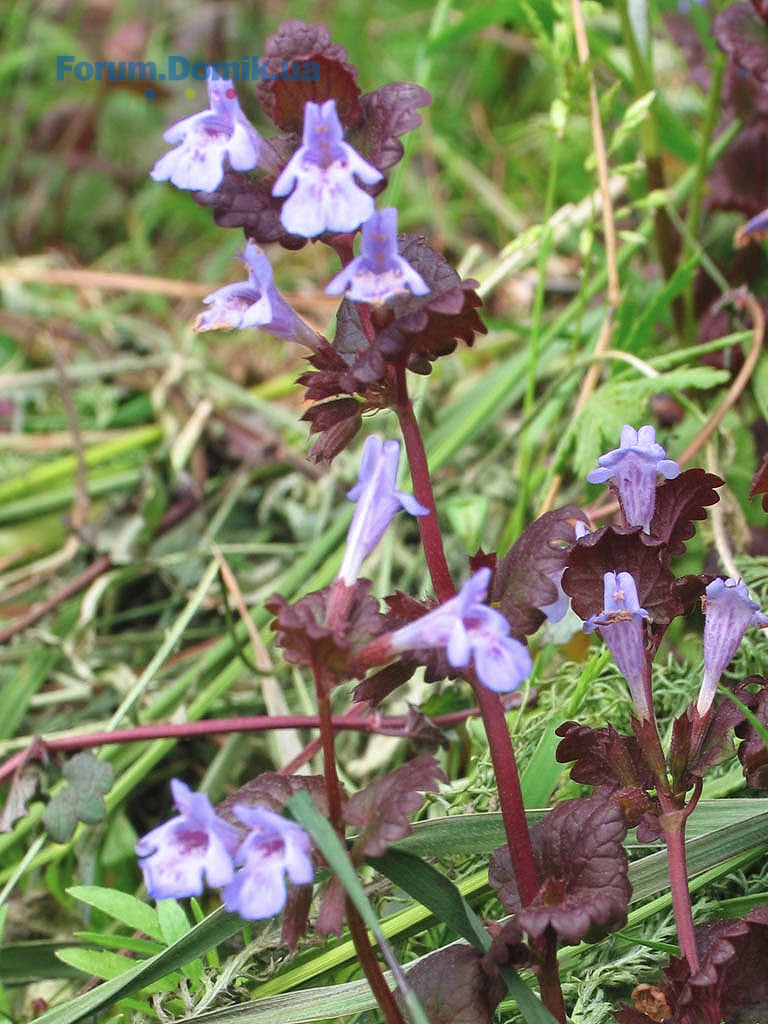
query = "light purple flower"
x=322 y=172
x=728 y=611
x=470 y=630
x=273 y=848
x=378 y=502
x=174 y=857
x=378 y=273
x=755 y=229
x=254 y=303
x=556 y=610
x=206 y=139
x=634 y=466
x=622 y=626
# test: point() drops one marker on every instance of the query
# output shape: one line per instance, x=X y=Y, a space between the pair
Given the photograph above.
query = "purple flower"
x=326 y=196
x=556 y=610
x=378 y=502
x=470 y=630
x=174 y=857
x=729 y=610
x=755 y=229
x=206 y=139
x=622 y=626
x=378 y=273
x=254 y=303
x=634 y=466
x=273 y=848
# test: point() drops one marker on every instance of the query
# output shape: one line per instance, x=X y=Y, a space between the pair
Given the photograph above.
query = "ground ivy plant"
x=293 y=845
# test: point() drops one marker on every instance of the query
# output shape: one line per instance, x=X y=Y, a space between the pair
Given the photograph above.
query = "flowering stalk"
x=494 y=722
x=510 y=793
x=499 y=740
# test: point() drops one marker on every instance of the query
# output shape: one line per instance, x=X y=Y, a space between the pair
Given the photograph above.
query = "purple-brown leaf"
x=524 y=583
x=621 y=549
x=383 y=807
x=453 y=987
x=388 y=113
x=583 y=867
x=283 y=100
x=753 y=752
x=681 y=502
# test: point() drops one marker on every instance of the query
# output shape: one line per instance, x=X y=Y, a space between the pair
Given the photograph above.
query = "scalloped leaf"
x=242 y=201
x=621 y=549
x=388 y=113
x=523 y=581
x=580 y=857
x=680 y=503
x=283 y=100
x=82 y=799
x=307 y=640
x=382 y=809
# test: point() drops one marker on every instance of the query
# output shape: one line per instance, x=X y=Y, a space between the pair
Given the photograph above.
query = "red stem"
x=510 y=793
x=372 y=967
x=429 y=527
x=391 y=725
x=327 y=737
x=499 y=741
x=673 y=821
x=549 y=978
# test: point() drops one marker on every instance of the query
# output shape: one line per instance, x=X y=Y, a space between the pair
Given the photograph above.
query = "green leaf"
x=635 y=114
x=123 y=907
x=216 y=928
x=23 y=962
x=82 y=799
x=145 y=947
x=174 y=923
x=433 y=890
x=103 y=964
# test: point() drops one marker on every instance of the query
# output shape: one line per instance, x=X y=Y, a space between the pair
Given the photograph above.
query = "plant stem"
x=371 y=967
x=549 y=978
x=327 y=736
x=510 y=793
x=673 y=821
x=429 y=527
x=494 y=722
x=499 y=740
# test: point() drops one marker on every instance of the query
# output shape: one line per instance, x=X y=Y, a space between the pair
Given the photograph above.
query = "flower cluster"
x=197 y=844
x=623 y=624
x=320 y=186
